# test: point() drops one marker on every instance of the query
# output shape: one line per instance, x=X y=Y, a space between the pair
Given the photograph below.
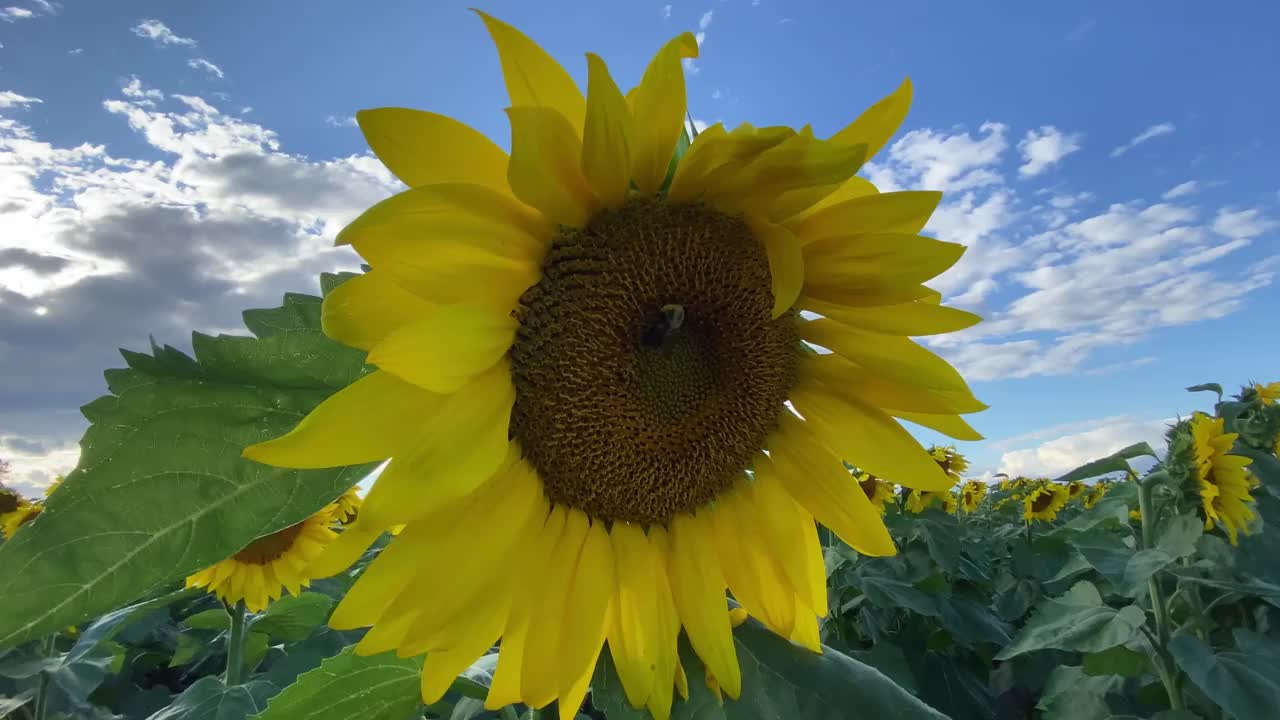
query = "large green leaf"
x=210 y=699
x=1076 y=621
x=375 y=687
x=1245 y=682
x=1118 y=660
x=1117 y=461
x=1072 y=694
x=1112 y=509
x=161 y=490
x=292 y=619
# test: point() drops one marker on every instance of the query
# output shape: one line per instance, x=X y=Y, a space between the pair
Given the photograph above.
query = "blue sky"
x=164 y=165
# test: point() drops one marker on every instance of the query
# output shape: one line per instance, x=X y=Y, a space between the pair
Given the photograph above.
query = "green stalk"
x=235 y=644
x=1159 y=605
x=48 y=649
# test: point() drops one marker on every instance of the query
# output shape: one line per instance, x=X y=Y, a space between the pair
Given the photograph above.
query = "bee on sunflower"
x=267 y=567
x=584 y=350
x=1223 y=482
x=879 y=492
x=971 y=495
x=1043 y=502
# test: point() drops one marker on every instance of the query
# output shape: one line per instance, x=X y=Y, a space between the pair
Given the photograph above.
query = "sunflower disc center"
x=266 y=549
x=1042 y=502
x=647 y=369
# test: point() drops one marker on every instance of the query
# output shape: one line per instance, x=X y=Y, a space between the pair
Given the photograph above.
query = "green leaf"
x=1076 y=621
x=782 y=680
x=1207 y=387
x=161 y=490
x=376 y=687
x=10 y=704
x=1265 y=467
x=292 y=619
x=1257 y=588
x=255 y=648
x=188 y=647
x=106 y=627
x=607 y=694
x=1114 y=507
x=1178 y=536
x=890 y=660
x=1108 y=553
x=1113 y=463
x=682 y=146
x=209 y=699
x=1118 y=660
x=1246 y=684
x=215 y=619
x=1071 y=694
x=1140 y=568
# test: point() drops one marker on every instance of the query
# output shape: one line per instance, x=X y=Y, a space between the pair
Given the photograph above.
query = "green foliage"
x=161 y=490
x=1245 y=683
x=1078 y=621
x=376 y=687
x=293 y=618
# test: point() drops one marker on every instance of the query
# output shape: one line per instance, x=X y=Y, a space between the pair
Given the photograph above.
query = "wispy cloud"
x=1043 y=148
x=153 y=29
x=46 y=7
x=666 y=12
x=14 y=14
x=9 y=98
x=205 y=65
x=691 y=65
x=1189 y=187
x=1151 y=133
x=340 y=121
x=75 y=51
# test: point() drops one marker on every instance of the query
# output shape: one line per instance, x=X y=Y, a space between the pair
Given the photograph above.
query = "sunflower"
x=266 y=567
x=1044 y=502
x=11 y=503
x=1268 y=393
x=951 y=461
x=1075 y=488
x=22 y=511
x=971 y=495
x=348 y=506
x=584 y=350
x=1224 y=483
x=1095 y=494
x=879 y=492
x=919 y=501
x=1135 y=515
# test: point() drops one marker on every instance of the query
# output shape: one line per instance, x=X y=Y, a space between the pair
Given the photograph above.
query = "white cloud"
x=46 y=7
x=246 y=109
x=1043 y=148
x=75 y=51
x=705 y=20
x=1155 y=131
x=155 y=30
x=666 y=12
x=14 y=14
x=342 y=121
x=1189 y=187
x=938 y=160
x=99 y=251
x=691 y=64
x=205 y=65
x=9 y=98
x=700 y=125
x=1242 y=224
x=1086 y=441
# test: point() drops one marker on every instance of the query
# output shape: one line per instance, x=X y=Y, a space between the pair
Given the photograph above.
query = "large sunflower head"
x=879 y=492
x=348 y=506
x=583 y=351
x=971 y=495
x=270 y=565
x=1044 y=501
x=1223 y=481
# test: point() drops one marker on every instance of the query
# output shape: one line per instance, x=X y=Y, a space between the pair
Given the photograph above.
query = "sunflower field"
x=612 y=426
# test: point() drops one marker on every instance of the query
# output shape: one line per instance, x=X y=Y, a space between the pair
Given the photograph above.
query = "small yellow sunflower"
x=919 y=501
x=1268 y=393
x=1075 y=489
x=1135 y=515
x=582 y=357
x=950 y=460
x=1044 y=502
x=1223 y=481
x=22 y=510
x=971 y=495
x=878 y=491
x=348 y=507
x=1095 y=493
x=266 y=567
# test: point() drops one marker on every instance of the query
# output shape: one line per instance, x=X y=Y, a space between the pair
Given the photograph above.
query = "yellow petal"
x=895 y=358
x=367 y=421
x=344 y=550
x=950 y=425
x=540 y=671
x=665 y=632
x=457 y=449
x=441 y=668
x=546 y=166
x=658 y=107
x=854 y=187
x=534 y=78
x=911 y=318
x=780 y=523
x=586 y=617
x=750 y=577
x=875 y=260
x=606 y=140
x=631 y=642
x=844 y=379
x=716 y=155
x=505 y=688
x=904 y=212
x=868 y=438
x=805 y=633
x=423 y=148
x=445 y=349
x=819 y=482
x=770 y=183
x=698 y=586
x=879 y=122
x=453 y=243
x=786 y=264
x=363 y=310
x=869 y=297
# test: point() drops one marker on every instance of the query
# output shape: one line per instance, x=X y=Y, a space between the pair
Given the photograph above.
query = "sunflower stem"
x=235 y=644
x=48 y=649
x=509 y=713
x=1159 y=605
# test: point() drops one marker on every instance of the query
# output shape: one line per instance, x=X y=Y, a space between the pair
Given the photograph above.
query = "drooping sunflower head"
x=950 y=460
x=1224 y=483
x=267 y=567
x=879 y=492
x=971 y=495
x=1075 y=489
x=1095 y=493
x=348 y=506
x=920 y=500
x=1044 y=501
x=591 y=344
